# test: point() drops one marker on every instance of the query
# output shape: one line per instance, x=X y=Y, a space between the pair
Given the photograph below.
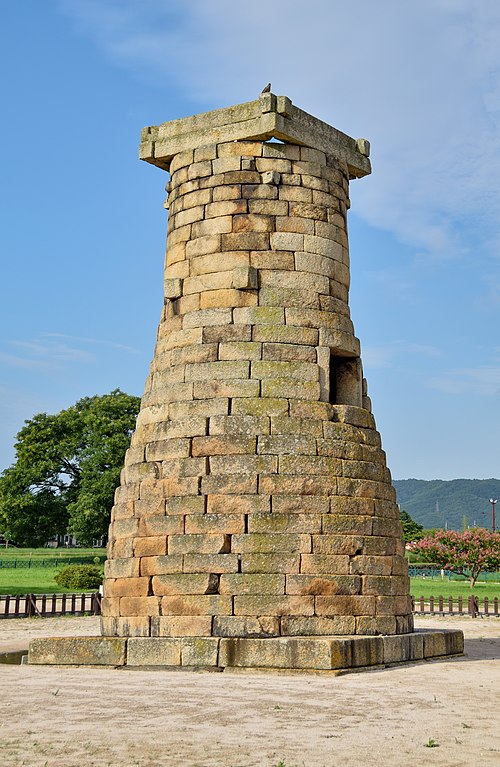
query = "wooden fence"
x=472 y=606
x=49 y=562
x=49 y=605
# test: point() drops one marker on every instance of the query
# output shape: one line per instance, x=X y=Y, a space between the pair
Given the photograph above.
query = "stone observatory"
x=256 y=524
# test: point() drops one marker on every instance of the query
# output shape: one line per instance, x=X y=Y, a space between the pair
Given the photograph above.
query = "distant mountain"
x=437 y=503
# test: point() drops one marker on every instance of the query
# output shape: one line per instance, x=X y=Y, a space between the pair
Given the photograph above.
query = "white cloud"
x=93 y=341
x=392 y=284
x=491 y=293
x=12 y=360
x=426 y=349
x=376 y=357
x=49 y=350
x=483 y=380
x=421 y=80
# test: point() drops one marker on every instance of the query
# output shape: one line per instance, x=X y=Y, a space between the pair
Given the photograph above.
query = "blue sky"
x=83 y=225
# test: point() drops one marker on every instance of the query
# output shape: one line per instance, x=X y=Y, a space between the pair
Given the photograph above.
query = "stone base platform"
x=322 y=653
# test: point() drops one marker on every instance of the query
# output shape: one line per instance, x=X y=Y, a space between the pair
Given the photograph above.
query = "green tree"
x=412 y=531
x=67 y=467
x=466 y=553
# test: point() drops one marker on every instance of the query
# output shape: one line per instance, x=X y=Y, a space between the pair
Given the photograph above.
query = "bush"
x=79 y=577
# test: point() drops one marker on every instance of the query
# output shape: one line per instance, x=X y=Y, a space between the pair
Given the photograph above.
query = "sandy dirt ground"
x=74 y=717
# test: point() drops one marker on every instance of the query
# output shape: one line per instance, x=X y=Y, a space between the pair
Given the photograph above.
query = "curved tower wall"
x=255 y=499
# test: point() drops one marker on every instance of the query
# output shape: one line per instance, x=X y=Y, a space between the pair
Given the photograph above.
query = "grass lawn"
x=35 y=580
x=39 y=580
x=426 y=587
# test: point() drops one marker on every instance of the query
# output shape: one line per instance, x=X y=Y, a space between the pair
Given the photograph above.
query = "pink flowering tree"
x=466 y=553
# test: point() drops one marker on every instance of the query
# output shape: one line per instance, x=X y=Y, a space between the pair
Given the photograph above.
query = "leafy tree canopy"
x=412 y=531
x=66 y=470
x=466 y=553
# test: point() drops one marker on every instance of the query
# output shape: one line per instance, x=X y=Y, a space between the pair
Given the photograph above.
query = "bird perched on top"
x=266 y=89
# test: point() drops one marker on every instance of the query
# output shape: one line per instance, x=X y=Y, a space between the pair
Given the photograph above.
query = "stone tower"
x=255 y=502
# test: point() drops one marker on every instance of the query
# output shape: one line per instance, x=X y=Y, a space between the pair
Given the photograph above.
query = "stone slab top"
x=267 y=117
x=304 y=653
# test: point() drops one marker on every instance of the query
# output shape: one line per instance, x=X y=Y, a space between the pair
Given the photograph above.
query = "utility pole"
x=493 y=501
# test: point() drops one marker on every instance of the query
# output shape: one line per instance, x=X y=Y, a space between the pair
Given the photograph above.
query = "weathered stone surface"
x=271 y=369
x=288 y=352
x=139 y=606
x=358 y=652
x=338 y=544
x=294 y=224
x=127 y=567
x=184 y=504
x=230 y=484
x=260 y=406
x=375 y=625
x=133 y=626
x=214 y=370
x=324 y=563
x=181 y=625
x=340 y=604
x=150 y=546
x=438 y=643
x=182 y=583
x=153 y=651
x=269 y=605
x=258 y=584
x=297 y=485
x=239 y=424
x=255 y=497
x=238 y=626
x=298 y=504
x=307 y=643
x=270 y=563
x=257 y=543
x=161 y=565
x=228 y=297
x=210 y=563
x=200 y=651
x=207 y=317
x=286 y=334
x=226 y=333
x=223 y=445
x=129 y=587
x=199 y=604
x=76 y=651
x=160 y=525
x=385 y=585
x=323 y=584
x=194 y=543
x=215 y=523
x=276 y=653
x=298 y=625
x=247 y=350
x=283 y=523
x=223 y=504
x=290 y=389
x=309 y=464
x=347 y=524
x=243 y=464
